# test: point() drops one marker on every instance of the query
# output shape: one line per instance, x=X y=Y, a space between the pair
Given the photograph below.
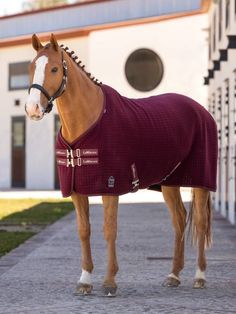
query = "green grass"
x=41 y=214
x=10 y=240
x=10 y=206
x=26 y=212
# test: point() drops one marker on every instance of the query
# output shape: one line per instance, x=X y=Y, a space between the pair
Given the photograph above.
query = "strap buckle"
x=135 y=181
x=135 y=184
x=70 y=162
x=77 y=152
x=69 y=153
x=79 y=161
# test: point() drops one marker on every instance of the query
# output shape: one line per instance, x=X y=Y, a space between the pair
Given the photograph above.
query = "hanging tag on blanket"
x=135 y=181
x=111 y=182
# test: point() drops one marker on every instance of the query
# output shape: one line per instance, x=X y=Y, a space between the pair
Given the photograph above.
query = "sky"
x=12 y=6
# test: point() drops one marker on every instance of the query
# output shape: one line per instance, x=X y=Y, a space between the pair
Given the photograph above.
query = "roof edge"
x=81 y=32
x=205 y=4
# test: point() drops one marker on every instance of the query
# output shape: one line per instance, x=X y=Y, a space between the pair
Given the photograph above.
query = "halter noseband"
x=58 y=93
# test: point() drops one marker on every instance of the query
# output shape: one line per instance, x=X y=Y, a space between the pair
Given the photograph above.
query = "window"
x=18 y=75
x=144 y=70
x=18 y=152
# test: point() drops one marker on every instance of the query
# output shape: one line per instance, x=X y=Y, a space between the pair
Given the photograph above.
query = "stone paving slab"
x=40 y=276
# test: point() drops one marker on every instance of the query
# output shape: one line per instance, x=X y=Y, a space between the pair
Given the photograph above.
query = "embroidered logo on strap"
x=76 y=152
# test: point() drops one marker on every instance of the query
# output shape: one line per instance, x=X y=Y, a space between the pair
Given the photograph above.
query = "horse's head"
x=48 y=75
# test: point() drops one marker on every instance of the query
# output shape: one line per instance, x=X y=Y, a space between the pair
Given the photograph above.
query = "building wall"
x=105 y=53
x=222 y=102
x=184 y=59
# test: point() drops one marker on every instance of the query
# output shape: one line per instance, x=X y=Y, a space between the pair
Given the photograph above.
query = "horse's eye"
x=54 y=70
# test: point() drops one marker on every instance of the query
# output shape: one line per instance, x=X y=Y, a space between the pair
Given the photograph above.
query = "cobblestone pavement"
x=40 y=276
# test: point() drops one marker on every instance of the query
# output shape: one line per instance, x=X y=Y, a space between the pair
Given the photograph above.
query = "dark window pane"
x=18 y=134
x=144 y=70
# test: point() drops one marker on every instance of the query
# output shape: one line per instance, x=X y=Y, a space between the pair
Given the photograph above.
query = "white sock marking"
x=200 y=274
x=39 y=77
x=173 y=276
x=85 y=277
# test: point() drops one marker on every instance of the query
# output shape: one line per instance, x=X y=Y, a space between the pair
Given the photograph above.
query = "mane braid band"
x=72 y=55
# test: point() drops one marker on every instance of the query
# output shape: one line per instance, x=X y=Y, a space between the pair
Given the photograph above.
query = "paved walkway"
x=40 y=276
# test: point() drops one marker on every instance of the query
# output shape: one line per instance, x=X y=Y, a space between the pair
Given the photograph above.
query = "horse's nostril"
x=32 y=110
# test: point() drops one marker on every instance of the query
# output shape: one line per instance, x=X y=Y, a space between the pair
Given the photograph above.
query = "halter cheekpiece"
x=58 y=93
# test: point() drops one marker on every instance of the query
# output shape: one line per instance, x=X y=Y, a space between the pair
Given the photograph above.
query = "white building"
x=110 y=37
x=221 y=79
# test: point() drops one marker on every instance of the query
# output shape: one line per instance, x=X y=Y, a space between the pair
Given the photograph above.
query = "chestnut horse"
x=55 y=73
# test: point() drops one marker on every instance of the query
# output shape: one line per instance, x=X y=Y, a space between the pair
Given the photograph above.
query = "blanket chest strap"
x=73 y=153
x=72 y=162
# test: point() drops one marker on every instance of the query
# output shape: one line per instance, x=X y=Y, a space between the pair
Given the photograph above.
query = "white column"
x=223 y=153
x=232 y=120
x=218 y=121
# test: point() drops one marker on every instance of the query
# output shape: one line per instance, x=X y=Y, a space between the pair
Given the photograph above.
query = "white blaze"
x=39 y=77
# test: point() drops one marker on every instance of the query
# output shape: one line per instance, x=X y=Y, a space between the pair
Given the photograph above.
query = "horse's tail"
x=204 y=221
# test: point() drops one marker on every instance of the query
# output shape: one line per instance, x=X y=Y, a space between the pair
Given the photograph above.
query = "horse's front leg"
x=110 y=204
x=81 y=204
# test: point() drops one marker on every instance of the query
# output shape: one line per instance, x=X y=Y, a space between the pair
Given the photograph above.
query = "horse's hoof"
x=199 y=283
x=171 y=282
x=109 y=291
x=83 y=289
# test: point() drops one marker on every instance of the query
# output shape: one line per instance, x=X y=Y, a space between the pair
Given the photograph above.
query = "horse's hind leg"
x=178 y=214
x=81 y=204
x=110 y=204
x=201 y=231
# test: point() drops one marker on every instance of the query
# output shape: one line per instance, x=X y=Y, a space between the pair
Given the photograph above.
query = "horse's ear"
x=36 y=43
x=54 y=42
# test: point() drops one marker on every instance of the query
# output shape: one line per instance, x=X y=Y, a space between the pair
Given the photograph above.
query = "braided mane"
x=73 y=56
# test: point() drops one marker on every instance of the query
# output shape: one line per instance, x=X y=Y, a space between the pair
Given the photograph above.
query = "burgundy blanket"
x=141 y=143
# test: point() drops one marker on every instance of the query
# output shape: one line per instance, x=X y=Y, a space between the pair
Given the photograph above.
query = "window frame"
x=18 y=71
x=159 y=63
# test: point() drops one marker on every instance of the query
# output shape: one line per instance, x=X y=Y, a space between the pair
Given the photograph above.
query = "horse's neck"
x=80 y=105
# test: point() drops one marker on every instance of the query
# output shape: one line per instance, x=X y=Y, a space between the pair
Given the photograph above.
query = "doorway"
x=18 y=152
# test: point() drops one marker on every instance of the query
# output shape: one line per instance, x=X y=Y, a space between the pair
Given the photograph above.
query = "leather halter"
x=58 y=93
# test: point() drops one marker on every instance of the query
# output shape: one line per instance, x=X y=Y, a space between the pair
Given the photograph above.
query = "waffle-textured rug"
x=167 y=139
